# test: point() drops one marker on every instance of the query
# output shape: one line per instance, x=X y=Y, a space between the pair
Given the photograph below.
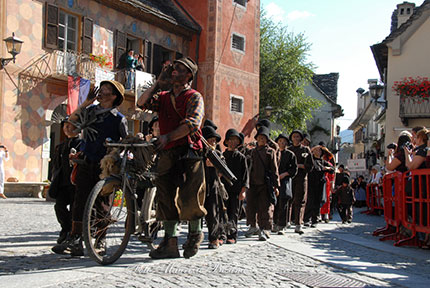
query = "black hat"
x=263 y=122
x=307 y=137
x=231 y=133
x=263 y=130
x=209 y=122
x=345 y=179
x=209 y=132
x=282 y=136
x=189 y=63
x=298 y=132
x=242 y=137
x=322 y=143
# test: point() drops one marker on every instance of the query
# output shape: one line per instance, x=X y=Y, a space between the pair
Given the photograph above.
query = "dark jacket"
x=303 y=156
x=237 y=163
x=263 y=158
x=345 y=195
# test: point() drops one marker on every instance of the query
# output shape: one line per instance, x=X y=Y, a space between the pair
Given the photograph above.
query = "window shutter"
x=158 y=58
x=120 y=46
x=148 y=56
x=51 y=26
x=87 y=35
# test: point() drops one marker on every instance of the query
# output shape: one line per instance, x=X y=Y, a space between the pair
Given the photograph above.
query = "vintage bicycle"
x=113 y=212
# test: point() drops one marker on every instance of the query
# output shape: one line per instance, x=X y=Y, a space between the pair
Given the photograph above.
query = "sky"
x=340 y=33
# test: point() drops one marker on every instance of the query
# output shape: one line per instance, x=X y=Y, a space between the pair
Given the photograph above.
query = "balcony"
x=413 y=107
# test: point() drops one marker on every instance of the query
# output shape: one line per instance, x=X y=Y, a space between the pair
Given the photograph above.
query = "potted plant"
x=415 y=89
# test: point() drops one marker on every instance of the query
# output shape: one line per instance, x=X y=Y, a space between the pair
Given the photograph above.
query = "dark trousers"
x=233 y=206
x=345 y=211
x=258 y=207
x=282 y=212
x=212 y=217
x=65 y=198
x=300 y=191
x=313 y=206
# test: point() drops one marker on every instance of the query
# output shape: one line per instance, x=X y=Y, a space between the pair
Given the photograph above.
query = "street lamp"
x=13 y=46
x=376 y=91
x=268 y=110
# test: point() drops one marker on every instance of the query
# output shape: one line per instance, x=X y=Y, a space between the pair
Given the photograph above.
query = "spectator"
x=396 y=160
x=140 y=64
x=359 y=185
x=4 y=155
x=416 y=159
x=346 y=199
x=414 y=131
x=376 y=175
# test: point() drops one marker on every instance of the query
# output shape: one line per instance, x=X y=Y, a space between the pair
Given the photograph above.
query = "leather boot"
x=168 y=248
x=191 y=247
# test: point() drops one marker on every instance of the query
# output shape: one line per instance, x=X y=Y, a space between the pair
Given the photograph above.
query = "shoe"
x=168 y=248
x=262 y=236
x=314 y=225
x=221 y=242
x=343 y=221
x=275 y=228
x=62 y=237
x=298 y=229
x=349 y=221
x=288 y=225
x=61 y=248
x=231 y=241
x=75 y=246
x=214 y=244
x=251 y=231
x=306 y=224
x=326 y=220
x=281 y=231
x=192 y=247
x=100 y=247
x=3 y=196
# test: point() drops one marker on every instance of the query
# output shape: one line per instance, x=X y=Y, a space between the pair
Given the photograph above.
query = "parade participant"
x=300 y=182
x=213 y=200
x=287 y=168
x=180 y=112
x=306 y=140
x=61 y=189
x=340 y=174
x=329 y=186
x=237 y=163
x=4 y=155
x=346 y=199
x=316 y=180
x=103 y=121
x=259 y=207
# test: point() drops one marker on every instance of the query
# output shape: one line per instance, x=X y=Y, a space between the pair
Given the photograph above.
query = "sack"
x=270 y=190
x=324 y=195
x=54 y=187
x=222 y=191
x=286 y=189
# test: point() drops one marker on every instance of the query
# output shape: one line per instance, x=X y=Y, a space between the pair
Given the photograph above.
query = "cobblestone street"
x=333 y=255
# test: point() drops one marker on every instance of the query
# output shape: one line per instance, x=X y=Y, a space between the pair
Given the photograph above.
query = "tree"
x=284 y=71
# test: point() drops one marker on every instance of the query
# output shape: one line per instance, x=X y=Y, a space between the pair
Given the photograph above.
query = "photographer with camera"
x=396 y=160
x=415 y=158
x=4 y=154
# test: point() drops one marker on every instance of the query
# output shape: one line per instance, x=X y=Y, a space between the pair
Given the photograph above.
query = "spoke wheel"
x=150 y=225
x=108 y=223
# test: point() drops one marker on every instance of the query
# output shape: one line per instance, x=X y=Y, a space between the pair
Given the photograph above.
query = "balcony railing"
x=414 y=107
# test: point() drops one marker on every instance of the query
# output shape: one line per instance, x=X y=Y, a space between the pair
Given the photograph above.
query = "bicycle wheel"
x=108 y=223
x=150 y=225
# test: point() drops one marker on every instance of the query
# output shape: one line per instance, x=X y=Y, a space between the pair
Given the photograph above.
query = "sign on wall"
x=357 y=165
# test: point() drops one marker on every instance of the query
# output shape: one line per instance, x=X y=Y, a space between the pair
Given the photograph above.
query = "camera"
x=407 y=145
x=1 y=146
x=392 y=146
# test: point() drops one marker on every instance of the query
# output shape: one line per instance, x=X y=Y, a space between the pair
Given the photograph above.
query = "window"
x=68 y=32
x=238 y=42
x=236 y=104
x=240 y=2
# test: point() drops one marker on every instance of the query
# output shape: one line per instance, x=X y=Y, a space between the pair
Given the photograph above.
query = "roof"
x=380 y=50
x=168 y=10
x=328 y=84
x=339 y=111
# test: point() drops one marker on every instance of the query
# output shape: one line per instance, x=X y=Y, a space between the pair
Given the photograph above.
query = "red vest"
x=169 y=120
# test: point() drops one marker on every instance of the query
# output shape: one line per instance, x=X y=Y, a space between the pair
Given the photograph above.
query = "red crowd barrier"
x=392 y=207
x=374 y=199
x=407 y=207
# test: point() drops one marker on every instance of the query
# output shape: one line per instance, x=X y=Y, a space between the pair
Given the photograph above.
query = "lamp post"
x=376 y=91
x=268 y=111
x=13 y=46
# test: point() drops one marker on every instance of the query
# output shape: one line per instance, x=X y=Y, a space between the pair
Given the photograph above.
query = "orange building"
x=61 y=35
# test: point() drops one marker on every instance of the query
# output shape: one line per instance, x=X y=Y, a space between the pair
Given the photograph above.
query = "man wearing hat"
x=306 y=140
x=300 y=182
x=258 y=200
x=107 y=122
x=287 y=168
x=180 y=115
x=237 y=163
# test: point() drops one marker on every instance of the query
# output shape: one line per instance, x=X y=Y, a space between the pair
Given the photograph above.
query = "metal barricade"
x=415 y=207
x=393 y=190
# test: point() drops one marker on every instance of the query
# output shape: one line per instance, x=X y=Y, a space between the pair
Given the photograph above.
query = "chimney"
x=404 y=11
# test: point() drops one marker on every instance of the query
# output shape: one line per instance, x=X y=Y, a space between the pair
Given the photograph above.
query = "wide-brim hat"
x=232 y=133
x=209 y=122
x=282 y=136
x=263 y=130
x=263 y=122
x=298 y=132
x=118 y=87
x=306 y=137
x=209 y=132
x=189 y=63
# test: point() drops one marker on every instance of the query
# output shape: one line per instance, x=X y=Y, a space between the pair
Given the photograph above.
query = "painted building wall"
x=24 y=113
x=222 y=71
x=413 y=61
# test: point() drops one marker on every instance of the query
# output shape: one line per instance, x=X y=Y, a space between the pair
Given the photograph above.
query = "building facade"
x=85 y=39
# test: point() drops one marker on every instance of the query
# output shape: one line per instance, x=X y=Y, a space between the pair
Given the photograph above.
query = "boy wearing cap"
x=237 y=163
x=180 y=114
x=107 y=122
x=258 y=205
x=300 y=182
x=287 y=168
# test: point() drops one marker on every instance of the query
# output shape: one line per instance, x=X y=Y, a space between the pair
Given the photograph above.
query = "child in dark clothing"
x=237 y=163
x=346 y=198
